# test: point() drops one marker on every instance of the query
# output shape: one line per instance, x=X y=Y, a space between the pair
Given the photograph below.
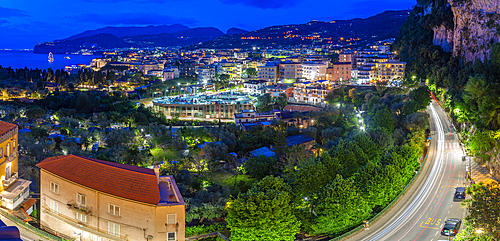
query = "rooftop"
x=6 y=127
x=263 y=151
x=298 y=139
x=203 y=99
x=126 y=181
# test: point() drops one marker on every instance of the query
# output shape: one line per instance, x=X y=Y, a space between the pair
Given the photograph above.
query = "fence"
x=20 y=222
x=371 y=220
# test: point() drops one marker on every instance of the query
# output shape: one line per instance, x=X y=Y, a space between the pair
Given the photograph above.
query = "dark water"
x=20 y=59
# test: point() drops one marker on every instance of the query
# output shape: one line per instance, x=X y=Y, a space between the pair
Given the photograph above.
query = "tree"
x=251 y=72
x=484 y=208
x=282 y=101
x=381 y=86
x=383 y=118
x=261 y=166
x=339 y=207
x=265 y=212
x=34 y=113
x=263 y=101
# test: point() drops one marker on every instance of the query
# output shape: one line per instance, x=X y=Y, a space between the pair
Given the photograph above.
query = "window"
x=8 y=149
x=114 y=210
x=54 y=188
x=54 y=206
x=1 y=152
x=171 y=236
x=81 y=199
x=114 y=229
x=94 y=237
x=14 y=144
x=81 y=217
x=172 y=218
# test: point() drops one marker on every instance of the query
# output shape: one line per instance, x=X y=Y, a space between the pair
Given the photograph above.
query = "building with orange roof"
x=101 y=200
x=14 y=191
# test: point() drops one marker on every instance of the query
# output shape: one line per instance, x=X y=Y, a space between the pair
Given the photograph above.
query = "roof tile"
x=126 y=181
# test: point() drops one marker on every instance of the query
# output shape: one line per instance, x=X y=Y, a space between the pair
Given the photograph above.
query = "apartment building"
x=14 y=191
x=389 y=71
x=255 y=86
x=100 y=201
x=290 y=70
x=338 y=72
x=268 y=72
x=312 y=93
x=205 y=74
x=314 y=70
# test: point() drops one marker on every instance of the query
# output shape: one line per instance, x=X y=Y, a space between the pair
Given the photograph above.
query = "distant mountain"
x=98 y=41
x=132 y=31
x=232 y=31
x=381 y=26
x=181 y=38
x=103 y=41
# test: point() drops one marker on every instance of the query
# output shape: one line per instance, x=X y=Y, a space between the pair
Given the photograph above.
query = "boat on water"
x=67 y=57
x=51 y=57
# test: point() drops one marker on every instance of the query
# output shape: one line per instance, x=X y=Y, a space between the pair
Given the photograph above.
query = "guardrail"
x=374 y=218
x=20 y=223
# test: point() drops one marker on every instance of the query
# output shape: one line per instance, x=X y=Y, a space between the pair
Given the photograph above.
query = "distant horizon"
x=25 y=23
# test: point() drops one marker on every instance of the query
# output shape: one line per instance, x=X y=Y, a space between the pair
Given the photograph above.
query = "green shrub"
x=204 y=229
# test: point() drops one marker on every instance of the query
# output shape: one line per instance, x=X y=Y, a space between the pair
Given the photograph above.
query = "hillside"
x=103 y=41
x=381 y=26
x=132 y=31
x=98 y=41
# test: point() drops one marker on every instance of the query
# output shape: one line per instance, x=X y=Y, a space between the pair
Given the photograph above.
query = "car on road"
x=459 y=193
x=451 y=227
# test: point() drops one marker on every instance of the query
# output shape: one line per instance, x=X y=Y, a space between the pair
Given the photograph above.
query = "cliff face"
x=476 y=28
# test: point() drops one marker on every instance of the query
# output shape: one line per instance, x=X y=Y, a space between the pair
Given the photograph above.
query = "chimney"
x=157 y=172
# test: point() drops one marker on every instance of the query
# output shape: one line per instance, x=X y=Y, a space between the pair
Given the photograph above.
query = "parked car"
x=451 y=227
x=459 y=193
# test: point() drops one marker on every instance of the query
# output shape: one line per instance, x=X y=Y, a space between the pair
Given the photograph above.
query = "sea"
x=20 y=59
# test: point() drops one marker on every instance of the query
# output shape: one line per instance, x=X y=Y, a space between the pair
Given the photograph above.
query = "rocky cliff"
x=476 y=27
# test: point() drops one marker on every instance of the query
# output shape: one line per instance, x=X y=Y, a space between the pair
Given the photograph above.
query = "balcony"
x=11 y=158
x=8 y=182
x=80 y=208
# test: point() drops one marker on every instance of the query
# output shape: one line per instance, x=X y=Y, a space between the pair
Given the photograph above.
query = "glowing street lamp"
x=479 y=231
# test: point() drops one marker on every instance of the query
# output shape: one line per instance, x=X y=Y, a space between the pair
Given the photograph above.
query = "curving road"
x=420 y=213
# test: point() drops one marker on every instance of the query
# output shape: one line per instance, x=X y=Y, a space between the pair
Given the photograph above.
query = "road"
x=421 y=212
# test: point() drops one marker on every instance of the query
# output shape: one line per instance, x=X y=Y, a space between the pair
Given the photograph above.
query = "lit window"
x=114 y=229
x=54 y=206
x=81 y=217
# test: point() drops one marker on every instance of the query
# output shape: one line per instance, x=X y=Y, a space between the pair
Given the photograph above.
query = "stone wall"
x=476 y=28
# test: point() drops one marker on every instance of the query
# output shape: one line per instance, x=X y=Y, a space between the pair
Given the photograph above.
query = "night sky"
x=24 y=23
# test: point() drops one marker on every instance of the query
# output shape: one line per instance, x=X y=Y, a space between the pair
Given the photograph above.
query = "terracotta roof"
x=126 y=181
x=6 y=126
x=30 y=202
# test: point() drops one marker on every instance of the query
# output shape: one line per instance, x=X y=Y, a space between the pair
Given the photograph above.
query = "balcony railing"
x=8 y=182
x=11 y=158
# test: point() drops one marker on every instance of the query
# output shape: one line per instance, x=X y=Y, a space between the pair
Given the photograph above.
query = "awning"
x=16 y=189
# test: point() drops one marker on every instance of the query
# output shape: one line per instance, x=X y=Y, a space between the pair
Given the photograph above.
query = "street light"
x=479 y=231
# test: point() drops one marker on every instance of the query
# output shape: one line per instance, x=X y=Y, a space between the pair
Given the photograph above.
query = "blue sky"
x=24 y=23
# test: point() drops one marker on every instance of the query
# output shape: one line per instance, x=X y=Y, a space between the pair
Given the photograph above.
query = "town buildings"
x=312 y=93
x=339 y=72
x=14 y=191
x=101 y=200
x=222 y=105
x=268 y=72
x=314 y=70
x=255 y=86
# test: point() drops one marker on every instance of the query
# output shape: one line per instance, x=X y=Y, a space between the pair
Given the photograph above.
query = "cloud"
x=2 y=21
x=11 y=12
x=264 y=4
x=133 y=19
